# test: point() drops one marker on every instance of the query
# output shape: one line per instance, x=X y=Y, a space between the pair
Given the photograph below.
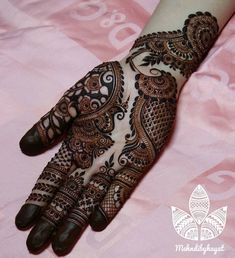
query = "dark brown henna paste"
x=152 y=116
x=89 y=137
x=96 y=101
x=151 y=120
x=98 y=90
x=91 y=133
x=48 y=182
x=65 y=198
x=93 y=194
x=182 y=49
x=161 y=86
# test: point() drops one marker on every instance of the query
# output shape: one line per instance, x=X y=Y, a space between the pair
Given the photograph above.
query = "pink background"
x=45 y=46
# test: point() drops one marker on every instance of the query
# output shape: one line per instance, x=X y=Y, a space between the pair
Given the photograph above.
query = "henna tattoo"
x=93 y=194
x=96 y=102
x=65 y=198
x=182 y=49
x=68 y=195
x=47 y=184
x=51 y=178
x=89 y=137
x=98 y=90
x=151 y=121
x=153 y=113
x=161 y=86
x=119 y=191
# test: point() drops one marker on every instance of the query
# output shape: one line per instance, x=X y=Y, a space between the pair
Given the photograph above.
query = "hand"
x=114 y=136
x=116 y=120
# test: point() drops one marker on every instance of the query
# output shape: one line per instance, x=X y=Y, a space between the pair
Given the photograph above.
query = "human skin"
x=116 y=121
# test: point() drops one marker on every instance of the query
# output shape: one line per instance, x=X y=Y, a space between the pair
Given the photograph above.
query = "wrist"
x=176 y=52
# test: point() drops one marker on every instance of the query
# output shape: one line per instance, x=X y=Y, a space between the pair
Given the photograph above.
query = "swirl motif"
x=95 y=92
x=162 y=86
x=182 y=49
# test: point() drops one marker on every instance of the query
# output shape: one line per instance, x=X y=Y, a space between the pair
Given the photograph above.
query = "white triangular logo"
x=199 y=225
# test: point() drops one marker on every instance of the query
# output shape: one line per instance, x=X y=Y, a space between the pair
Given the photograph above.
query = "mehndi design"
x=88 y=138
x=151 y=120
x=182 y=49
x=154 y=110
x=72 y=189
x=97 y=92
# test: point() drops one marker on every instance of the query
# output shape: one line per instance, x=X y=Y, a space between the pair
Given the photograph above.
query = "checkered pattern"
x=113 y=200
x=63 y=157
x=157 y=121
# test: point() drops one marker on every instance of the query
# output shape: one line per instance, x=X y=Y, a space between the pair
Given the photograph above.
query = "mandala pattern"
x=161 y=86
x=182 y=49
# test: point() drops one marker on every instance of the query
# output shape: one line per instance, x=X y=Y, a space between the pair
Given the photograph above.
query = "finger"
x=51 y=126
x=87 y=96
x=45 y=188
x=77 y=220
x=63 y=201
x=124 y=183
x=40 y=231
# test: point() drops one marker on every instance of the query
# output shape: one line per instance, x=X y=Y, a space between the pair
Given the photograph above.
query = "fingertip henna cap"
x=39 y=237
x=98 y=221
x=66 y=237
x=27 y=216
x=31 y=143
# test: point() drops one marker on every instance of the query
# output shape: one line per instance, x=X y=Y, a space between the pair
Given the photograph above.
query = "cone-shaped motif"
x=199 y=204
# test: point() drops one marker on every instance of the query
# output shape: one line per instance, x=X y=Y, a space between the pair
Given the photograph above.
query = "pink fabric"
x=45 y=46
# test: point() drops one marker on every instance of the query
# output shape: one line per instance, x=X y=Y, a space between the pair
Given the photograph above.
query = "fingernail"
x=39 y=236
x=31 y=143
x=27 y=215
x=66 y=237
x=98 y=221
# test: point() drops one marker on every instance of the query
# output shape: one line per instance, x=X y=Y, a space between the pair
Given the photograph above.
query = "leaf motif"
x=214 y=224
x=153 y=62
x=82 y=173
x=111 y=159
x=199 y=204
x=145 y=64
x=184 y=224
